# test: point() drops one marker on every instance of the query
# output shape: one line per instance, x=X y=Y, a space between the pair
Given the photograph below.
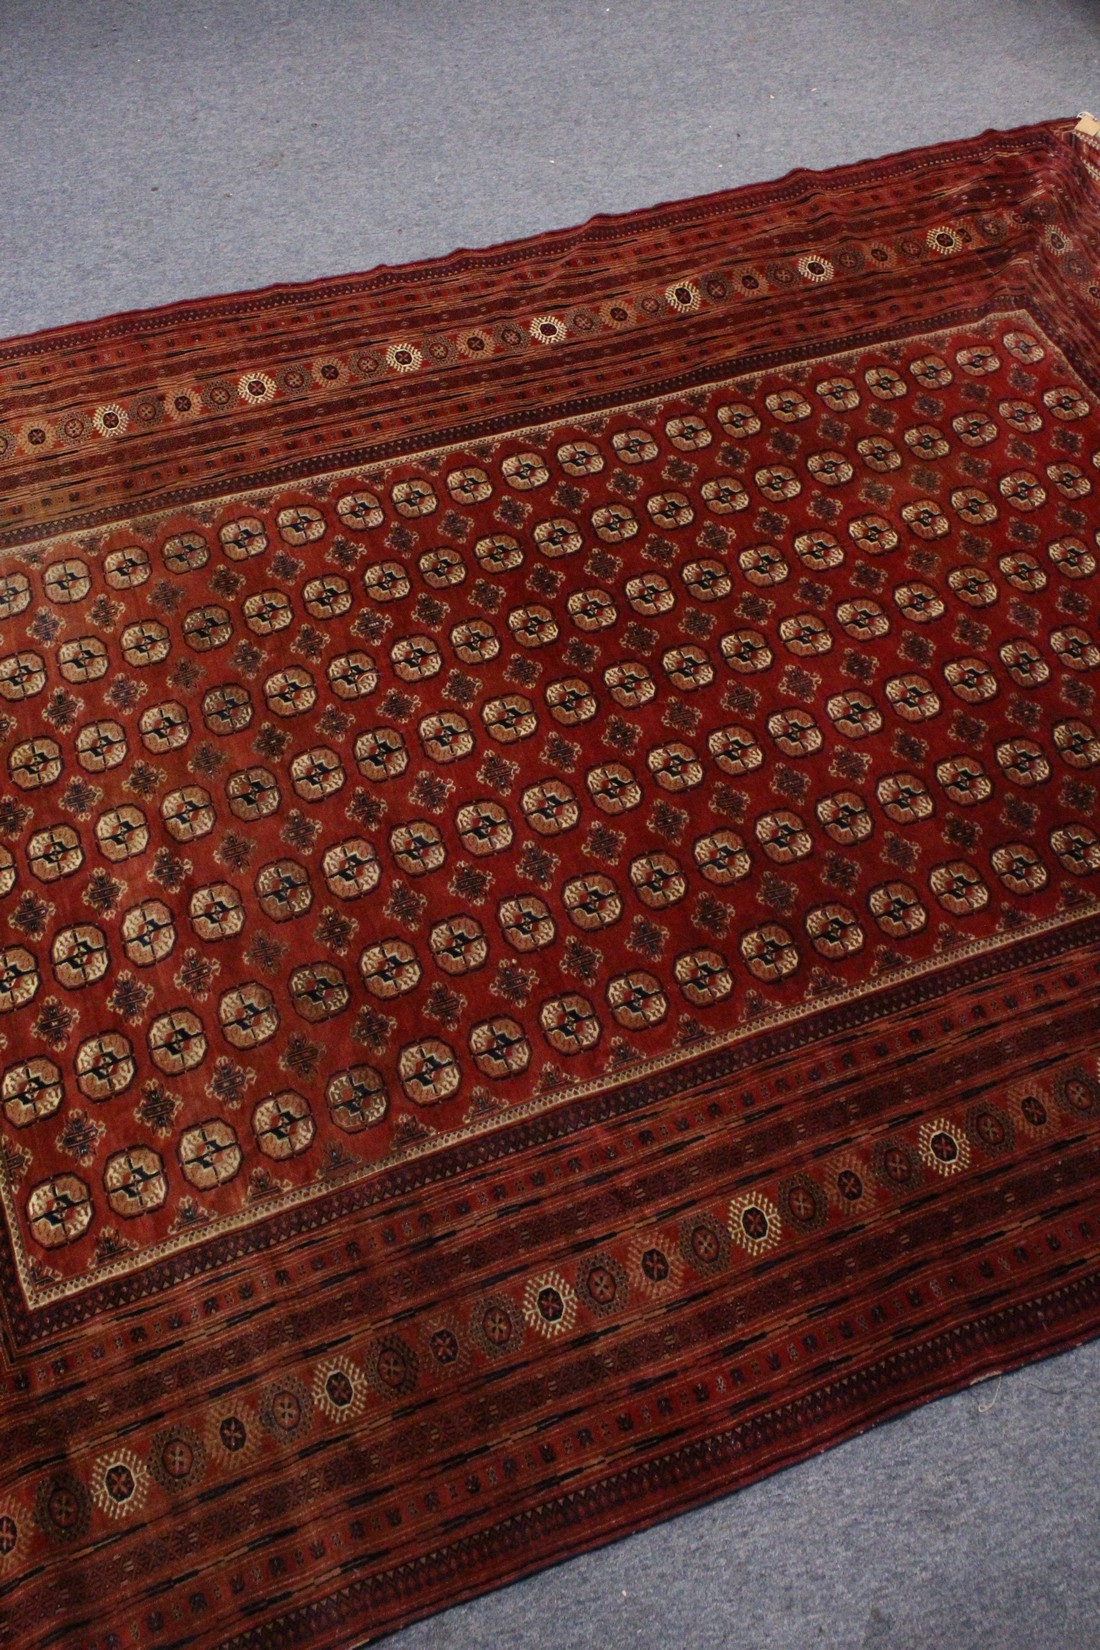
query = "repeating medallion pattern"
x=548 y=888
x=370 y=812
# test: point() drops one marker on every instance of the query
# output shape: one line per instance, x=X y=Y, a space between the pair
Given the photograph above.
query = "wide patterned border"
x=803 y=1030
x=1007 y=223
x=700 y=1471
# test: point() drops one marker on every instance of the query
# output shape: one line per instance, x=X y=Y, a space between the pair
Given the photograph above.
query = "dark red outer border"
x=153 y=1278
x=798 y=179
x=982 y=1367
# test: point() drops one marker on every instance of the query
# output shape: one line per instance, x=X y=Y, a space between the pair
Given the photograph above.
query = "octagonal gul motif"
x=691 y=704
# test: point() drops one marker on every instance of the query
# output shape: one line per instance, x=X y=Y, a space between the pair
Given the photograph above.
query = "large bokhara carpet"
x=549 y=901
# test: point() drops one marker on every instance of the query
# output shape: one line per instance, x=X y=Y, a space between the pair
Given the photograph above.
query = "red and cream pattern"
x=351 y=819
x=558 y=841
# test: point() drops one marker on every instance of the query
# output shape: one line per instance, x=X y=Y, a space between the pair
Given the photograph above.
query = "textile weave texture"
x=548 y=887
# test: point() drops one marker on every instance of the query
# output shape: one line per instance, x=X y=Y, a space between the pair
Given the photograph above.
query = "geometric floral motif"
x=548 y=849
x=503 y=770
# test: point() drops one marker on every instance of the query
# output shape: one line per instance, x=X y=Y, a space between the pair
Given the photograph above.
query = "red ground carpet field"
x=548 y=898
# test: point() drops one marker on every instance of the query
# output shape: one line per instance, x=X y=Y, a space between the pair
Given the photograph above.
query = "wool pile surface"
x=548 y=887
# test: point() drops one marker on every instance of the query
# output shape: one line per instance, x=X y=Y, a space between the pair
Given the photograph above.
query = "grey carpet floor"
x=166 y=149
